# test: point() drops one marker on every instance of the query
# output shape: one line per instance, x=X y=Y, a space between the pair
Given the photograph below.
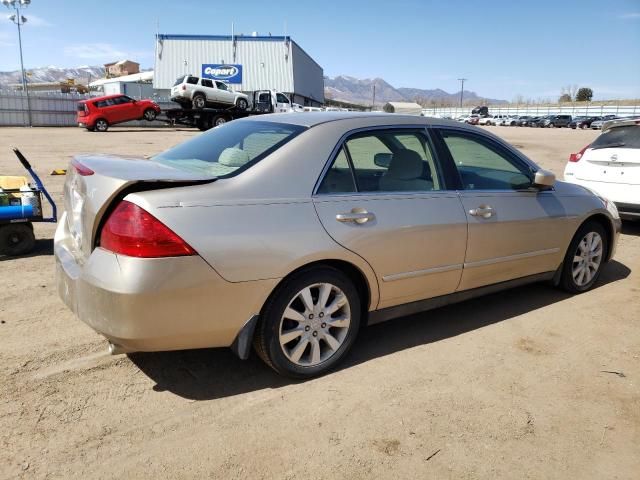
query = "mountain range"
x=54 y=74
x=342 y=87
x=355 y=90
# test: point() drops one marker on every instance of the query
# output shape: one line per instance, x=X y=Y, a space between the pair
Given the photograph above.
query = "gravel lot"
x=520 y=384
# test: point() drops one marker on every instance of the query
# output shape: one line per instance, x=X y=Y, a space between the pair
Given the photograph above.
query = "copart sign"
x=225 y=72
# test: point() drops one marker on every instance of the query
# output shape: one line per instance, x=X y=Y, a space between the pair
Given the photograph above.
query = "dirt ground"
x=530 y=383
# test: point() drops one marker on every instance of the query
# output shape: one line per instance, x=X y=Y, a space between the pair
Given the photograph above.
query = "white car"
x=610 y=166
x=190 y=91
x=489 y=120
x=507 y=121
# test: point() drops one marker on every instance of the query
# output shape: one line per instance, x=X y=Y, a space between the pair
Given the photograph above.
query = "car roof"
x=104 y=97
x=310 y=119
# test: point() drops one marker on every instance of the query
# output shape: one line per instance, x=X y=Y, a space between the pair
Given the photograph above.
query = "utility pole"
x=20 y=20
x=461 y=80
x=373 y=103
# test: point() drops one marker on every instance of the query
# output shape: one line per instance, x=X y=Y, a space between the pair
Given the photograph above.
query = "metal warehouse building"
x=245 y=62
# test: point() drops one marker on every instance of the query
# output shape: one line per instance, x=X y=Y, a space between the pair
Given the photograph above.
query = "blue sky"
x=505 y=48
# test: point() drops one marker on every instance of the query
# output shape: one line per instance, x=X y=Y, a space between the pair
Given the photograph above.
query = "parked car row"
x=542 y=121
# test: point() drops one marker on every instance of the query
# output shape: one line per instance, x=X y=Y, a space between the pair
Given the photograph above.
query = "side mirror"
x=382 y=159
x=544 y=179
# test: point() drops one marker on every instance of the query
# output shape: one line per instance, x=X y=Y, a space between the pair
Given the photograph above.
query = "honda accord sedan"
x=291 y=232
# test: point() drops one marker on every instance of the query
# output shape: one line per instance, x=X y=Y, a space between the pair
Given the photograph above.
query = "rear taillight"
x=575 y=157
x=81 y=169
x=131 y=230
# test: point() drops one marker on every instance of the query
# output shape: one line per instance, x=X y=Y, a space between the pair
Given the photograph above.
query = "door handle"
x=484 y=211
x=357 y=215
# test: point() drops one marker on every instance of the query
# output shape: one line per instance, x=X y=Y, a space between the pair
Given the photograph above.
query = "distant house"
x=123 y=67
x=408 y=108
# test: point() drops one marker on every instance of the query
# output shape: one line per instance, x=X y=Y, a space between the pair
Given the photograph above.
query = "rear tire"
x=199 y=101
x=16 y=239
x=313 y=314
x=585 y=258
x=101 y=125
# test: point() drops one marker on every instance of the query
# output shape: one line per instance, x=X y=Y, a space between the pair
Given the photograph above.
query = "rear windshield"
x=81 y=106
x=178 y=81
x=619 y=137
x=229 y=149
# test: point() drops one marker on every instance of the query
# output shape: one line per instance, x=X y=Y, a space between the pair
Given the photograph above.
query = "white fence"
x=536 y=110
x=49 y=109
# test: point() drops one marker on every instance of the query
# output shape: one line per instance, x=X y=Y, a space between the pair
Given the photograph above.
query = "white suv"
x=202 y=92
x=610 y=166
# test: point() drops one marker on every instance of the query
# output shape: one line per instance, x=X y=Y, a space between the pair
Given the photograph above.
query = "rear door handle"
x=484 y=211
x=357 y=215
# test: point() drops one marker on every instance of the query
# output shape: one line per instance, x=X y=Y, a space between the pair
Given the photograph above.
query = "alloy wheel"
x=587 y=258
x=314 y=324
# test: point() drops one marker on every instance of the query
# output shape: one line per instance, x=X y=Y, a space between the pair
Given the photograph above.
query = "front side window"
x=484 y=165
x=227 y=150
x=281 y=98
x=221 y=85
x=384 y=161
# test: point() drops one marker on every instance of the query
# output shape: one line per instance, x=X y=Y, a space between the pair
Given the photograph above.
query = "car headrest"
x=233 y=157
x=406 y=165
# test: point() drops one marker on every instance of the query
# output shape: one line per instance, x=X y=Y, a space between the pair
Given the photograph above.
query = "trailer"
x=19 y=209
x=262 y=102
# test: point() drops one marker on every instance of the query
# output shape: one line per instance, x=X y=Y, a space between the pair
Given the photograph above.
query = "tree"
x=585 y=94
x=565 y=97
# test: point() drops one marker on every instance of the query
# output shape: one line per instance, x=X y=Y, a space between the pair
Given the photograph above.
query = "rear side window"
x=227 y=150
x=192 y=80
x=206 y=83
x=383 y=161
x=619 y=137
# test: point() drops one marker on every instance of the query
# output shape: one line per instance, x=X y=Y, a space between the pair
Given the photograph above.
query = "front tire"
x=149 y=115
x=585 y=257
x=16 y=239
x=309 y=324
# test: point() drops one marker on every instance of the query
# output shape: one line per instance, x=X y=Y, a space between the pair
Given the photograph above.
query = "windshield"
x=627 y=137
x=229 y=149
x=178 y=81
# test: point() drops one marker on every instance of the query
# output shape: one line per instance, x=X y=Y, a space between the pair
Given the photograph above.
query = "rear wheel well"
x=608 y=227
x=354 y=273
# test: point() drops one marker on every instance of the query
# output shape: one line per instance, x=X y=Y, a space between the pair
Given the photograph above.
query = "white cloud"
x=103 y=51
x=629 y=16
x=6 y=39
x=35 y=21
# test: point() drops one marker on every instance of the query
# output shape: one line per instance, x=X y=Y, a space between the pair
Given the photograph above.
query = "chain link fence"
x=575 y=110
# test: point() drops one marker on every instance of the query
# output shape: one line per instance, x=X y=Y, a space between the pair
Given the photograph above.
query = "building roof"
x=238 y=38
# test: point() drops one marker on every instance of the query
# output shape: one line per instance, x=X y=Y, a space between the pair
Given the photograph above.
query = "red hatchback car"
x=100 y=112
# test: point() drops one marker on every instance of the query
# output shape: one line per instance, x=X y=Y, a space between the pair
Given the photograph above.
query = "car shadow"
x=208 y=374
x=44 y=246
x=631 y=228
